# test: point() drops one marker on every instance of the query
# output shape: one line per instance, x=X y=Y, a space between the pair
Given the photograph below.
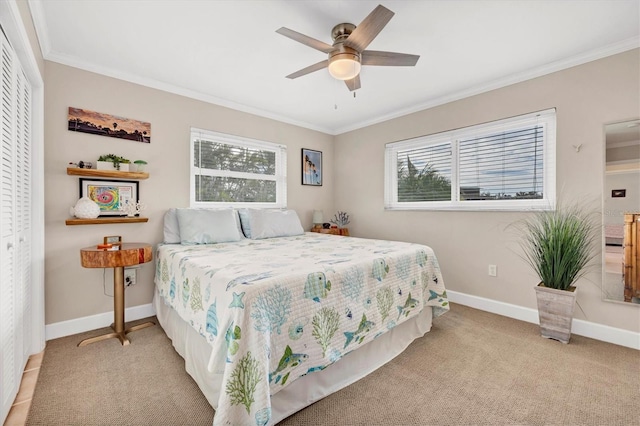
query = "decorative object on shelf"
x=140 y=166
x=326 y=225
x=111 y=196
x=341 y=219
x=95 y=123
x=311 y=167
x=113 y=162
x=317 y=218
x=82 y=164
x=113 y=241
x=558 y=245
x=133 y=209
x=85 y=208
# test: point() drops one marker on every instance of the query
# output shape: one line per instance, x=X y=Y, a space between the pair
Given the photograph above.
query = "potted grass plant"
x=559 y=245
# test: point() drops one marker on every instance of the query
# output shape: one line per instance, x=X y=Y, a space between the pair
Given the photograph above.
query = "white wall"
x=74 y=292
x=586 y=97
x=614 y=208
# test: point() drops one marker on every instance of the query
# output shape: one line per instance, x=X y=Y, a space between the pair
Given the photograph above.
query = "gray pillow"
x=171 y=227
x=268 y=223
x=207 y=226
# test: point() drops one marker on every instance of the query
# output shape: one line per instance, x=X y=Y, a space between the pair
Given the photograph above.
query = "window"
x=230 y=170
x=503 y=165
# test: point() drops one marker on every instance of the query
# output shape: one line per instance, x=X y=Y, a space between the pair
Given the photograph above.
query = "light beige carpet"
x=472 y=368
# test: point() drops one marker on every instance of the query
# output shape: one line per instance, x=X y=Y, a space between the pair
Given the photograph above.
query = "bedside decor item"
x=559 y=245
x=311 y=167
x=96 y=123
x=82 y=164
x=114 y=240
x=133 y=209
x=113 y=162
x=111 y=196
x=140 y=166
x=85 y=208
x=317 y=218
x=341 y=219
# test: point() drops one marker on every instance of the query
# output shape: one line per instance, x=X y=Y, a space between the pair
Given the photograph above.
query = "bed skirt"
x=308 y=389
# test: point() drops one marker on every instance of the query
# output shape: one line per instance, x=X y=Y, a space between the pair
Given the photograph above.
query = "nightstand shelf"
x=332 y=231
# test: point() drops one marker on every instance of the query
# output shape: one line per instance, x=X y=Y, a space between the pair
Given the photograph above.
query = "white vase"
x=86 y=208
x=108 y=165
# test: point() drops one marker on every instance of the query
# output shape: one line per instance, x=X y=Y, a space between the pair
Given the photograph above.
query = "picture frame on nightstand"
x=114 y=240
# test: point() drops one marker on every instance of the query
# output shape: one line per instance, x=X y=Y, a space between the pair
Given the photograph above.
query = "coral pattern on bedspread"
x=280 y=308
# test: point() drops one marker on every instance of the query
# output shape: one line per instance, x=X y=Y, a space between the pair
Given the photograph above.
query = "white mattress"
x=196 y=352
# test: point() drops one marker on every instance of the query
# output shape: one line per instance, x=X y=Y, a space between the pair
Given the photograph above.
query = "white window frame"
x=546 y=119
x=280 y=176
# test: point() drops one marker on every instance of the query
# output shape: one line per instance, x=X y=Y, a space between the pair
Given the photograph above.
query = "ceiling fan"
x=348 y=54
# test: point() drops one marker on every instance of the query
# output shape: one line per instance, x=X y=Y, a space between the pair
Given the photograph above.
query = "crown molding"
x=51 y=55
x=612 y=49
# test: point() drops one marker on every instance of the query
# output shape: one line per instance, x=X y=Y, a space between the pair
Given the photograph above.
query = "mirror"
x=621 y=203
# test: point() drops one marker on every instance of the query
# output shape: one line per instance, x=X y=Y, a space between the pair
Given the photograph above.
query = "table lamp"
x=317 y=219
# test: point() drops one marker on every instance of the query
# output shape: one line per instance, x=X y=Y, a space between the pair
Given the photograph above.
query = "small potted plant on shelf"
x=559 y=245
x=113 y=162
x=140 y=166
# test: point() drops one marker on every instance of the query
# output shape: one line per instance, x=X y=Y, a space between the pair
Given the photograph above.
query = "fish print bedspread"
x=277 y=309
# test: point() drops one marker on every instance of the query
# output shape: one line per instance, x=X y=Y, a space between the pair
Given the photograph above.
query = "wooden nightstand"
x=129 y=254
x=332 y=231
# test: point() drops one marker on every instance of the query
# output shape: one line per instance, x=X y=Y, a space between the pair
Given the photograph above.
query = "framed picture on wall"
x=618 y=193
x=110 y=195
x=311 y=167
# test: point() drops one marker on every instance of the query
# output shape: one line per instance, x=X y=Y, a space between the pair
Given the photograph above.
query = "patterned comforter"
x=277 y=309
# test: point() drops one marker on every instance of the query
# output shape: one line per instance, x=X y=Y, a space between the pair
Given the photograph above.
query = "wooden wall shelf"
x=75 y=171
x=103 y=220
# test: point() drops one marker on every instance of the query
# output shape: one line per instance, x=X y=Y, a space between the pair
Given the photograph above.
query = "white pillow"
x=207 y=226
x=266 y=223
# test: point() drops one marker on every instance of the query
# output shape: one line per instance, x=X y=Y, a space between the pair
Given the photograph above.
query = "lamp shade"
x=344 y=66
x=317 y=216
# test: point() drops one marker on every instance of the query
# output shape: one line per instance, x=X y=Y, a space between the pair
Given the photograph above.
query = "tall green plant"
x=559 y=244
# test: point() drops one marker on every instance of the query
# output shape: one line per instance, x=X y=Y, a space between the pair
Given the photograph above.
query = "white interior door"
x=15 y=228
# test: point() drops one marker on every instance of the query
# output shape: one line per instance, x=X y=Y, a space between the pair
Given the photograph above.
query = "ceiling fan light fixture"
x=344 y=66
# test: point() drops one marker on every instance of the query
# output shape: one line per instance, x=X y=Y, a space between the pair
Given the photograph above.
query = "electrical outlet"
x=129 y=277
x=493 y=270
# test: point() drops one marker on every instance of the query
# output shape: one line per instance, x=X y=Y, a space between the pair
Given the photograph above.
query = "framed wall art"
x=311 y=167
x=111 y=195
x=618 y=193
x=98 y=123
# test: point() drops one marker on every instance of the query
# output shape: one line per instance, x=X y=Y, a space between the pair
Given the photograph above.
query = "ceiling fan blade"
x=369 y=28
x=306 y=40
x=354 y=83
x=376 y=57
x=308 y=70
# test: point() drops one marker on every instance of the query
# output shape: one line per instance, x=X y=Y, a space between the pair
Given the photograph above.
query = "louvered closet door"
x=15 y=228
x=8 y=249
x=22 y=261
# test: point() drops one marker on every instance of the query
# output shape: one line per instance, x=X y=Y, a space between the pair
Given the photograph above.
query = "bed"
x=271 y=323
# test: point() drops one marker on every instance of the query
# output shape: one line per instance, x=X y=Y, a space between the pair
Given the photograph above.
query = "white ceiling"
x=228 y=53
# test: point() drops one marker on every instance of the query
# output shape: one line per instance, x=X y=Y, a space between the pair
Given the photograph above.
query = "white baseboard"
x=584 y=328
x=592 y=330
x=80 y=325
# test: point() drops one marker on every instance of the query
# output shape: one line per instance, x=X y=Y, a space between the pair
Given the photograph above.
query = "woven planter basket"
x=555 y=311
